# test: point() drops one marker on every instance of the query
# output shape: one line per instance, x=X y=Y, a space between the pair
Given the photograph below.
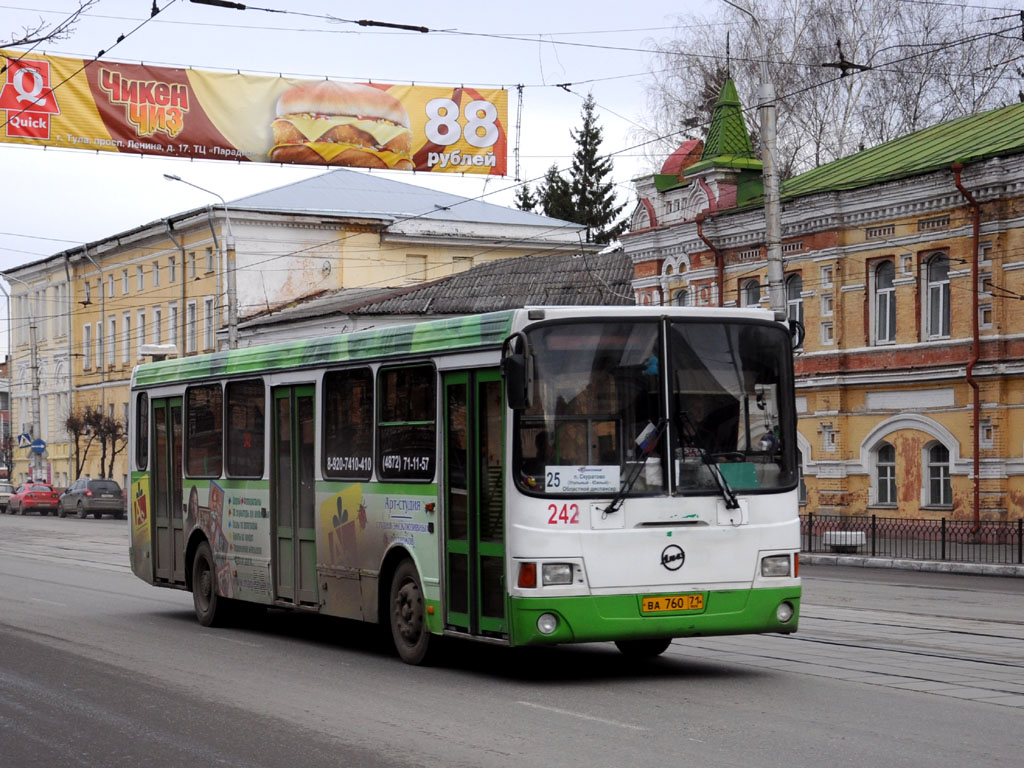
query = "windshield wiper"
x=689 y=432
x=646 y=442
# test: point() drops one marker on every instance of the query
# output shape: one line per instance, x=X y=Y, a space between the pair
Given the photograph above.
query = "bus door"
x=474 y=503
x=168 y=504
x=292 y=489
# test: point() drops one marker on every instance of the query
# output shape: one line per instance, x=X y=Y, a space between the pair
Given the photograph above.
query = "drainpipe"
x=976 y=343
x=103 y=331
x=719 y=259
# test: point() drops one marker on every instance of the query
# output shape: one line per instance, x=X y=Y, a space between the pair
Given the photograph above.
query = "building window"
x=985 y=316
x=886 y=465
x=110 y=286
x=126 y=337
x=172 y=270
x=172 y=324
x=681 y=298
x=940 y=493
x=828 y=333
x=99 y=345
x=86 y=346
x=209 y=259
x=826 y=276
x=208 y=329
x=192 y=264
x=794 y=298
x=885 y=303
x=986 y=434
x=751 y=294
x=140 y=331
x=191 y=321
x=88 y=293
x=938 y=296
x=140 y=279
x=826 y=305
x=157 y=329
x=111 y=340
x=156 y=274
x=124 y=282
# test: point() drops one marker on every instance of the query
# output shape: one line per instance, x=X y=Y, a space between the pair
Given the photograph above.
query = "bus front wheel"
x=211 y=609
x=643 y=649
x=408 y=615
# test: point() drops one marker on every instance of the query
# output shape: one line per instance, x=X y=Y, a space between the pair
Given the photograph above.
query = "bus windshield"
x=600 y=423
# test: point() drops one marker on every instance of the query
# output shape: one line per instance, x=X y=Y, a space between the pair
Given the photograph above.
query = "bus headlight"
x=547 y=623
x=556 y=573
x=784 y=612
x=775 y=565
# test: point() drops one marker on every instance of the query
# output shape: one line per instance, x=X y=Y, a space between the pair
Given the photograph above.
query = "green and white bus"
x=535 y=476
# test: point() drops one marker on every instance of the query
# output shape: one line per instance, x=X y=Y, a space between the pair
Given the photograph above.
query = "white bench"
x=844 y=541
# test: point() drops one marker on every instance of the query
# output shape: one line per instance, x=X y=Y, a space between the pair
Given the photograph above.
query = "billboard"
x=110 y=107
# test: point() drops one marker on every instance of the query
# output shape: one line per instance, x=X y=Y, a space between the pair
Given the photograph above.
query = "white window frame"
x=210 y=264
x=140 y=332
x=172 y=267
x=827 y=305
x=191 y=327
x=883 y=298
x=111 y=343
x=156 y=274
x=126 y=337
x=98 y=331
x=125 y=284
x=140 y=279
x=828 y=334
x=826 y=273
x=885 y=477
x=748 y=296
x=937 y=322
x=86 y=346
x=157 y=320
x=172 y=323
x=209 y=329
x=937 y=470
x=191 y=265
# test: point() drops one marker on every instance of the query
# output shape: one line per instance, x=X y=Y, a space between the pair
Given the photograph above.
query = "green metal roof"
x=966 y=139
x=728 y=144
x=420 y=338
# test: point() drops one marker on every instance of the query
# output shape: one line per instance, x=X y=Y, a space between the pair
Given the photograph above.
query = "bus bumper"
x=597 y=618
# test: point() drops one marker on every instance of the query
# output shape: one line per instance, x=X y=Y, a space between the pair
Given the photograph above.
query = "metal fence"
x=918 y=539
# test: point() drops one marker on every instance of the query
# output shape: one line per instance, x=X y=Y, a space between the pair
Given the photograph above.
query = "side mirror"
x=517 y=370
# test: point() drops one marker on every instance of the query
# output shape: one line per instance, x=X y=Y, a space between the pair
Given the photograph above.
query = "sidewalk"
x=935 y=566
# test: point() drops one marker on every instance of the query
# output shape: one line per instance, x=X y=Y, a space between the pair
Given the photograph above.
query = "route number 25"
x=567 y=514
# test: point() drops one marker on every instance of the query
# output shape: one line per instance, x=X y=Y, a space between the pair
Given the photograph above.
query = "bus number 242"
x=567 y=514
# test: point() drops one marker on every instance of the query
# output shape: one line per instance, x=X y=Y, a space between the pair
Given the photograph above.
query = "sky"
x=56 y=199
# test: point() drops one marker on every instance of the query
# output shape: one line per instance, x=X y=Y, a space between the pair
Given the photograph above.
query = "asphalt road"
x=890 y=668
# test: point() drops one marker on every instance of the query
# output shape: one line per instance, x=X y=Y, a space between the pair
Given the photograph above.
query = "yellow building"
x=83 y=318
x=905 y=265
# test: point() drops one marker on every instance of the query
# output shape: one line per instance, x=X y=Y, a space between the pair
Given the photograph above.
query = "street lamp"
x=772 y=215
x=229 y=244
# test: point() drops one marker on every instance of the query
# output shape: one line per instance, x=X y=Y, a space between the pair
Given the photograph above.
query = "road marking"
x=48 y=602
x=582 y=716
x=236 y=642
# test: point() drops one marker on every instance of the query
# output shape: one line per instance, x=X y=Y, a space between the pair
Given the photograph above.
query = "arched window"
x=940 y=492
x=886 y=466
x=681 y=298
x=938 y=296
x=751 y=295
x=794 y=300
x=885 y=303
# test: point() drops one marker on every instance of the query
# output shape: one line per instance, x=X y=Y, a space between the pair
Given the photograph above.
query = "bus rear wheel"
x=408 y=615
x=211 y=608
x=643 y=649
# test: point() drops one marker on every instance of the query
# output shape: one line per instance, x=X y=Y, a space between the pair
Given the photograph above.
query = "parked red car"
x=33 y=497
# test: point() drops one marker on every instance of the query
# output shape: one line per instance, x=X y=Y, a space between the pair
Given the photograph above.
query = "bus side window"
x=246 y=409
x=348 y=424
x=142 y=432
x=406 y=423
x=204 y=431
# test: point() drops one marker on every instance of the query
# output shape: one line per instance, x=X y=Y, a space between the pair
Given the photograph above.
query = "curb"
x=932 y=566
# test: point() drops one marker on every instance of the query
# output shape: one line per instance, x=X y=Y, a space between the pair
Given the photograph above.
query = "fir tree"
x=593 y=198
x=525 y=200
x=555 y=195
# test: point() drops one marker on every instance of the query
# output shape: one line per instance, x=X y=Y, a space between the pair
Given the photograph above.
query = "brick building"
x=905 y=263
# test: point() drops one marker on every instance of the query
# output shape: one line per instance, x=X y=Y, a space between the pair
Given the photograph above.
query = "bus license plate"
x=665 y=603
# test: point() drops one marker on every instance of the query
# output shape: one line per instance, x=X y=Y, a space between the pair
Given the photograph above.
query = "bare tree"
x=847 y=73
x=117 y=434
x=44 y=31
x=78 y=427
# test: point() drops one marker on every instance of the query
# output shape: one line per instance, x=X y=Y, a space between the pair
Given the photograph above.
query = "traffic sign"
x=24 y=440
x=38 y=446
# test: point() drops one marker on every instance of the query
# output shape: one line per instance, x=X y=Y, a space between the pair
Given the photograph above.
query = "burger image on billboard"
x=327 y=123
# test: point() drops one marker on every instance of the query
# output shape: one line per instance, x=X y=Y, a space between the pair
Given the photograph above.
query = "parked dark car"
x=33 y=497
x=92 y=496
x=6 y=490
